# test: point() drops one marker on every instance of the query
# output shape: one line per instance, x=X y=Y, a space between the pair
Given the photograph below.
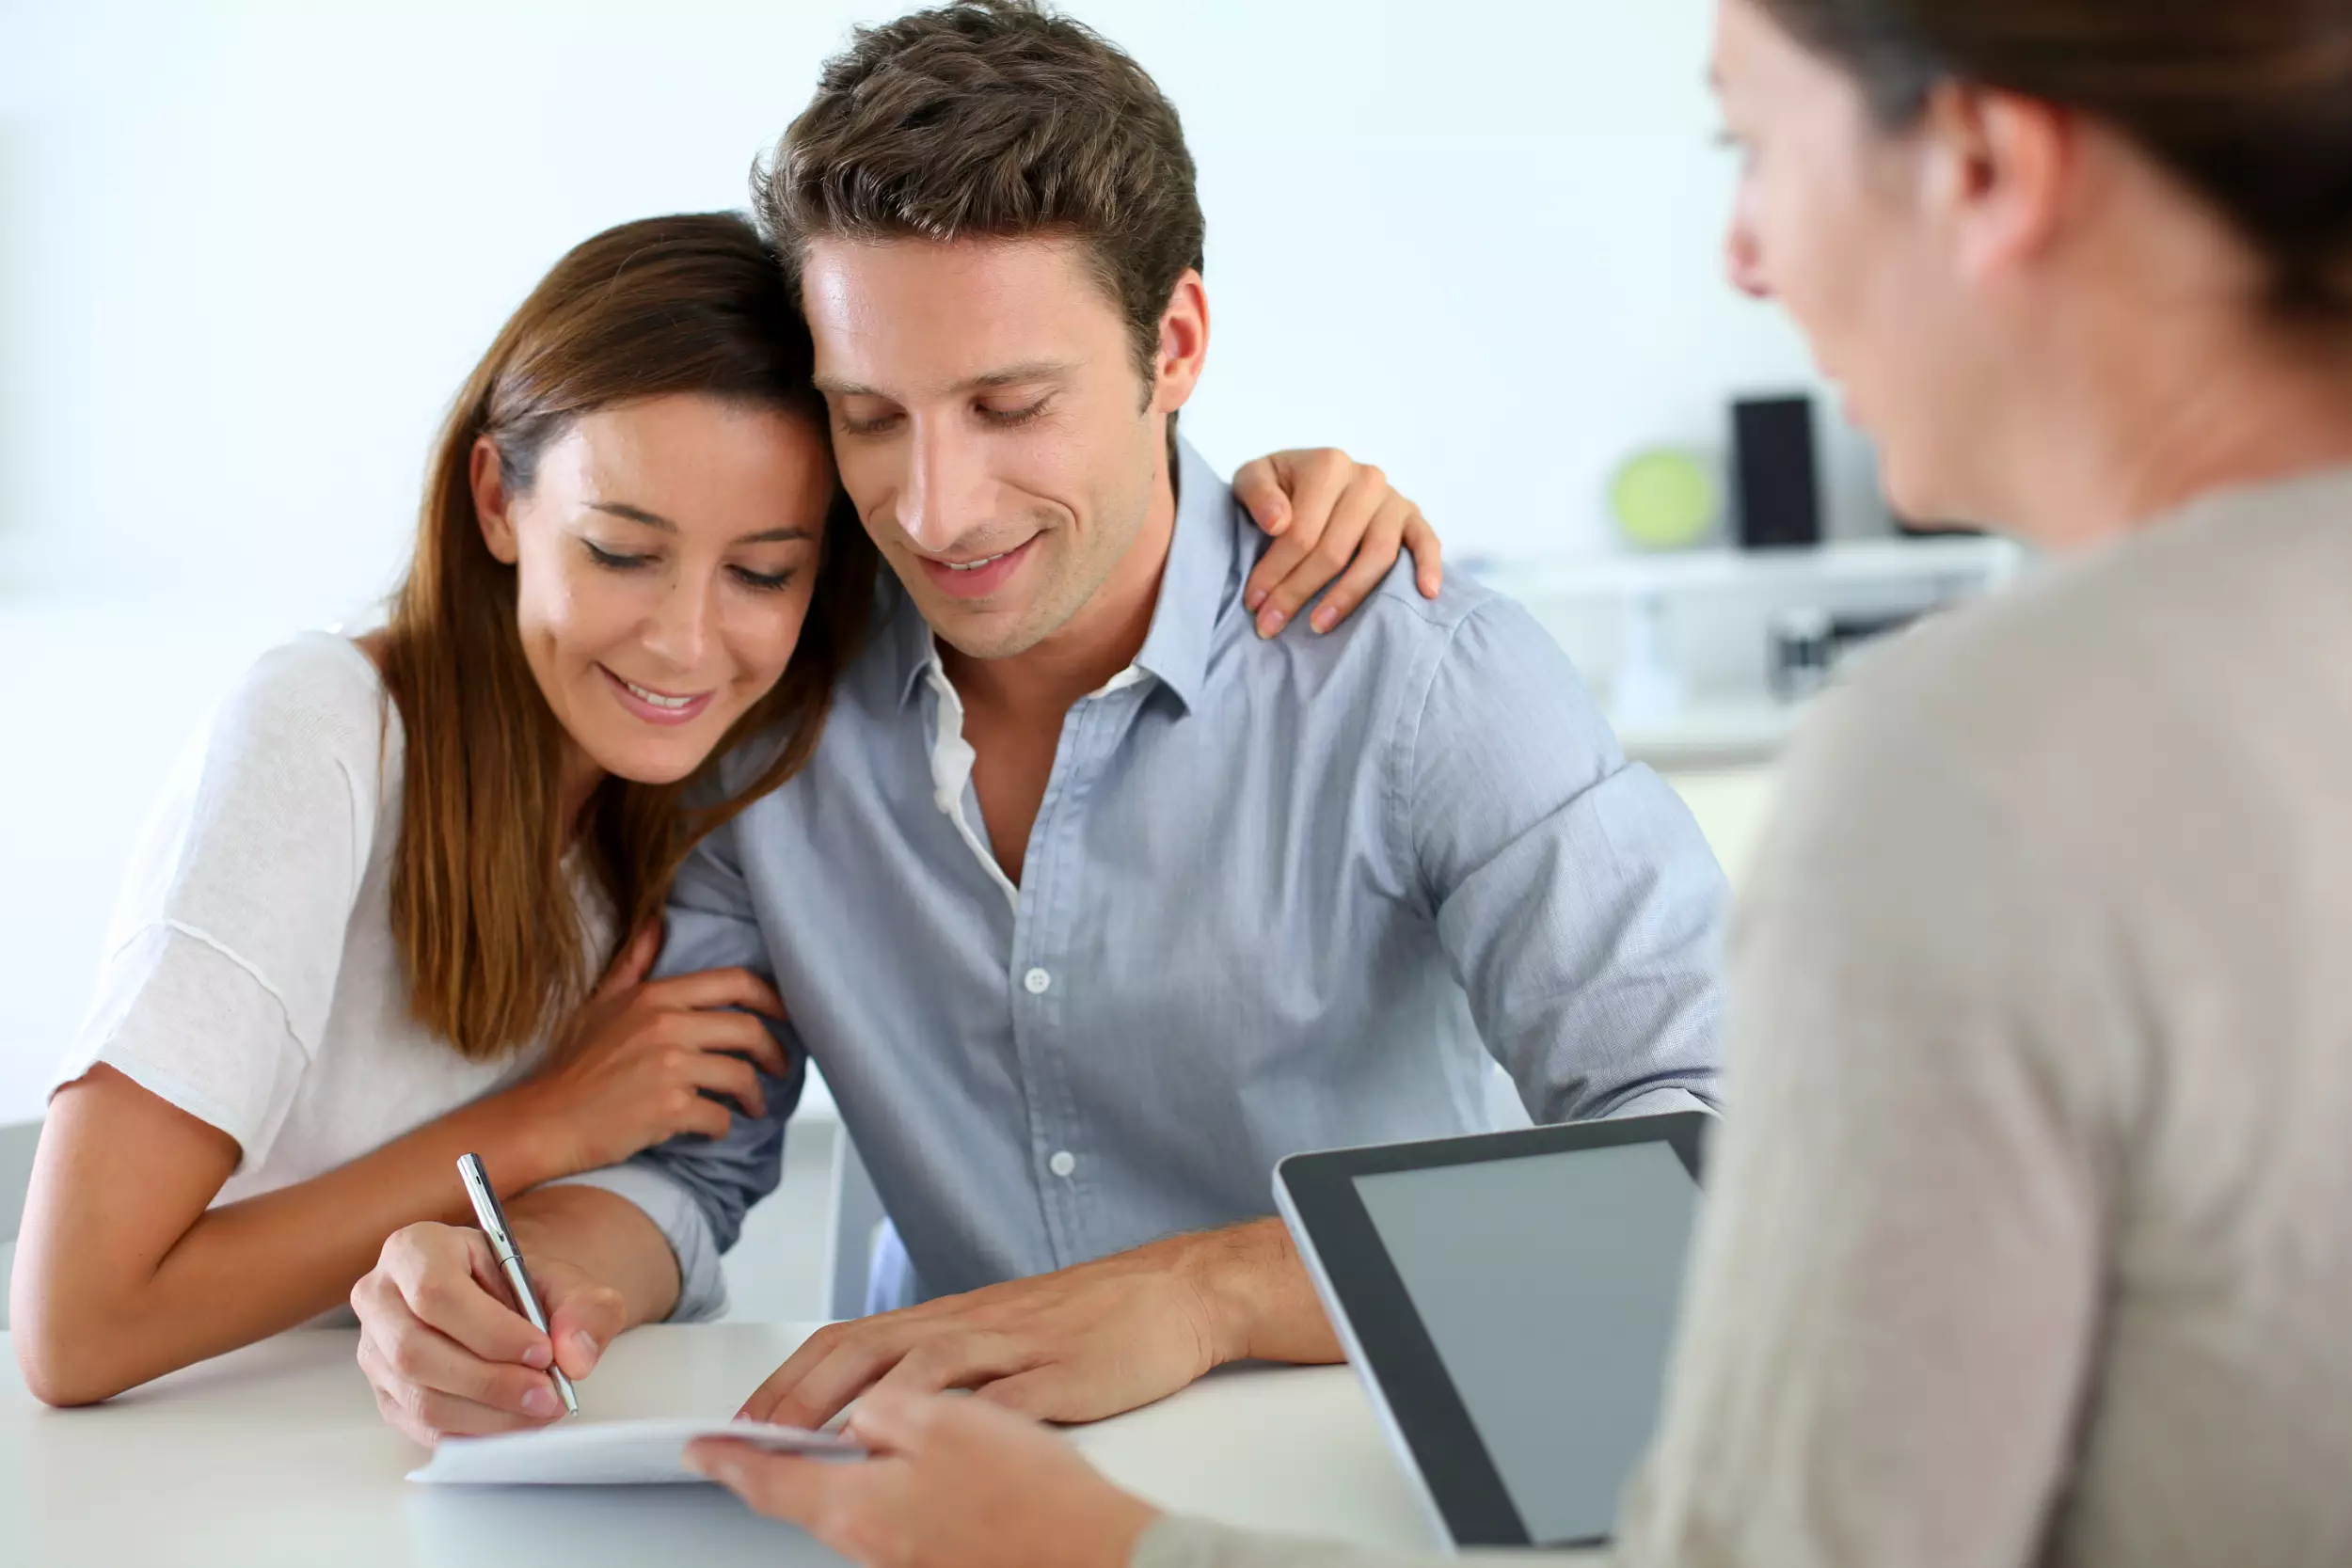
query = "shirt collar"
x=1196 y=583
x=910 y=639
x=1193 y=587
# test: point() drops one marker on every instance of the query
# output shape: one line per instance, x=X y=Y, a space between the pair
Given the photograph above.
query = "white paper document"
x=608 y=1454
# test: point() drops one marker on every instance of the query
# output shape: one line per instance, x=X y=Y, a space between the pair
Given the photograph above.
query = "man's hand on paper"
x=446 y=1353
x=1078 y=1345
x=953 y=1483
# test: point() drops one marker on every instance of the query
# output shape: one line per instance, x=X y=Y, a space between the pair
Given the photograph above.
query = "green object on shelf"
x=1664 y=500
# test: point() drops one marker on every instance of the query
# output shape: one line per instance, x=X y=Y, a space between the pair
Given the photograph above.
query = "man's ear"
x=490 y=500
x=1183 y=344
x=2001 y=170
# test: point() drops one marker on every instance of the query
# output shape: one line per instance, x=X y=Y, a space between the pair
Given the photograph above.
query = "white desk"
x=276 y=1455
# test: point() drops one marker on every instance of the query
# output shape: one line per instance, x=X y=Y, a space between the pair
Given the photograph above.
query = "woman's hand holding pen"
x=643 y=1061
x=446 y=1353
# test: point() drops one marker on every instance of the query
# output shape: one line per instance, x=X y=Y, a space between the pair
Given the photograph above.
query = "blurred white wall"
x=247 y=250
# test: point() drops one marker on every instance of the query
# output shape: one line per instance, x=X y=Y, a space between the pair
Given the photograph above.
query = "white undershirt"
x=952 y=758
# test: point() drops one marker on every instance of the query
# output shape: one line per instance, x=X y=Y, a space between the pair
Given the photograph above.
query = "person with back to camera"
x=2027 y=1240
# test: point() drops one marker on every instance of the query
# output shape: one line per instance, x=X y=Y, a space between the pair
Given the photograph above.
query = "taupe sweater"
x=2030 y=1234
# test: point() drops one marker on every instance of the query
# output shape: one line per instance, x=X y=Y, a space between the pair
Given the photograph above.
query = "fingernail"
x=537 y=1357
x=1324 y=619
x=540 y=1402
x=1251 y=600
x=1271 y=623
x=585 y=1348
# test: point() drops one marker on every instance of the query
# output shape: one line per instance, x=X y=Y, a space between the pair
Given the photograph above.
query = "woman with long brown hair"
x=360 y=935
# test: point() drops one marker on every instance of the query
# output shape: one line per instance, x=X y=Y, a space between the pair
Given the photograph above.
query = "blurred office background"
x=248 y=251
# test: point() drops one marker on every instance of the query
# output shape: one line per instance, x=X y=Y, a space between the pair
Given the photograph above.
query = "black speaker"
x=1779 y=484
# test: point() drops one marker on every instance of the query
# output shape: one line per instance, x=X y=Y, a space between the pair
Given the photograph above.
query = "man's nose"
x=941 y=497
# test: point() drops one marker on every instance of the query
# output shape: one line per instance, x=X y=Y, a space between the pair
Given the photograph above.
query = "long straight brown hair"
x=482 y=910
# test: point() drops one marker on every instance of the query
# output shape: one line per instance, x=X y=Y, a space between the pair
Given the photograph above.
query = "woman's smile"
x=653 y=705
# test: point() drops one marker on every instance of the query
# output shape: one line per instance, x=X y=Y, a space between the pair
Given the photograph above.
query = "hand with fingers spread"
x=447 y=1352
x=952 y=1483
x=1337 y=528
x=1077 y=1345
x=645 y=1057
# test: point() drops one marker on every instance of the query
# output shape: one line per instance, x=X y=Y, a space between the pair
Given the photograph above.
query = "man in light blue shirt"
x=1279 y=895
x=1093 y=904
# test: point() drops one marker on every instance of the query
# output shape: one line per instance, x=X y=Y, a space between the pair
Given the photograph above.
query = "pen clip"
x=486 y=1207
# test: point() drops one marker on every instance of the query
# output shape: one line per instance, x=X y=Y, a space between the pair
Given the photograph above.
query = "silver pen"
x=493 y=1218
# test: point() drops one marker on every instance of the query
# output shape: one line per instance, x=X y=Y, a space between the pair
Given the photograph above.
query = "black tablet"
x=1508 y=1300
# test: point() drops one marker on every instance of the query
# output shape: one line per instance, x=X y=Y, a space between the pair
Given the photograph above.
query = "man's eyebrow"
x=784 y=535
x=1016 y=375
x=1011 y=375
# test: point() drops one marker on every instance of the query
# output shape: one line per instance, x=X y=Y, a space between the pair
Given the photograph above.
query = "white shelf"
x=1984 y=560
x=1711 y=731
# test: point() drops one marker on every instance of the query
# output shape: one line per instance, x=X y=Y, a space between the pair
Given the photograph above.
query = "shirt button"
x=1037 y=982
x=1063 y=1162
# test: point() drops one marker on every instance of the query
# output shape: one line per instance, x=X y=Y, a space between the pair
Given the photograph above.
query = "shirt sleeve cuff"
x=1660 y=1102
x=702 y=1284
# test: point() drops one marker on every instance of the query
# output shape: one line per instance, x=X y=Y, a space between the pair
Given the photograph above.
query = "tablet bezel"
x=1374 y=1312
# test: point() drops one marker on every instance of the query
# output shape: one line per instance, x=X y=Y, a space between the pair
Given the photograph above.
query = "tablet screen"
x=1549 y=1285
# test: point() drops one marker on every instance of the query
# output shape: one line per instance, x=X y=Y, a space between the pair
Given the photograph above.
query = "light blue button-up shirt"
x=1279 y=896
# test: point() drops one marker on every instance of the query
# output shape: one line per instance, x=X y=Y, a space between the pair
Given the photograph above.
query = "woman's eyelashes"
x=615 y=561
x=1739 y=145
x=766 y=582
x=618 y=561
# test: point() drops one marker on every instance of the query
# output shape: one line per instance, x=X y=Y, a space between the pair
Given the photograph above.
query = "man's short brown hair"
x=994 y=118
